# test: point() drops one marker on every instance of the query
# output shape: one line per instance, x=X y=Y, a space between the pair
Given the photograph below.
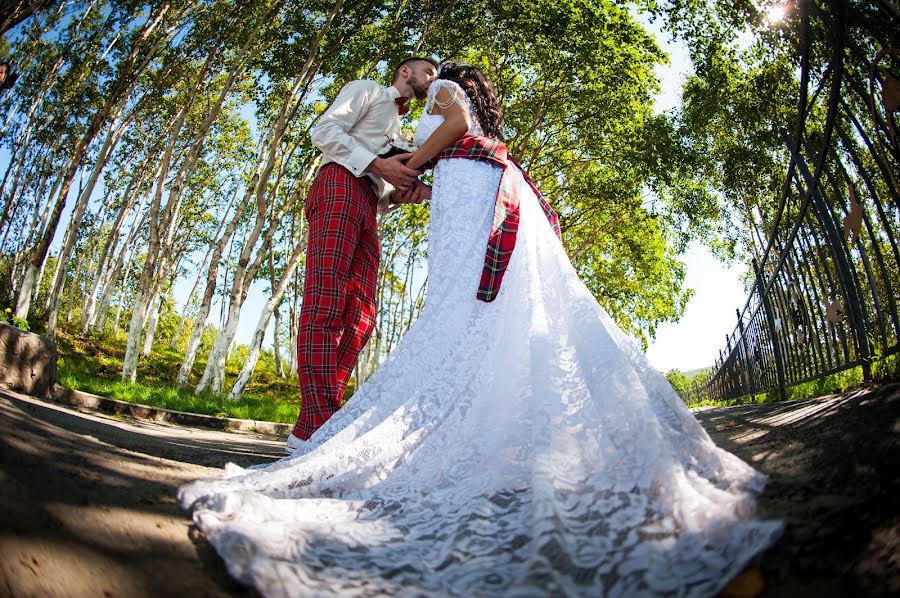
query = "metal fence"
x=824 y=298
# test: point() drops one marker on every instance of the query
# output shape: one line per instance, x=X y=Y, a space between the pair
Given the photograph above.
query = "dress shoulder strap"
x=457 y=95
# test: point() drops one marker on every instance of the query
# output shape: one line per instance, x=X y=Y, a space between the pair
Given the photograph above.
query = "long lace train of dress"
x=523 y=447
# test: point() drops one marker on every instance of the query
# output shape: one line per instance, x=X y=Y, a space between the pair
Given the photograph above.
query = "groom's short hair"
x=412 y=59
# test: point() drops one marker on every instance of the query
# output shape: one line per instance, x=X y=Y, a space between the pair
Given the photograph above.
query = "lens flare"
x=775 y=13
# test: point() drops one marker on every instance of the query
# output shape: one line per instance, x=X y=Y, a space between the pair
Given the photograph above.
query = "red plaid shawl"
x=502 y=239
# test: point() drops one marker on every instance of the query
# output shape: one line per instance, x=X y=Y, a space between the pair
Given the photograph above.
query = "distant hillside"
x=693 y=373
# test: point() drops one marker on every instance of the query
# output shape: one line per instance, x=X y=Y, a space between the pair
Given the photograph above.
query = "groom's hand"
x=395 y=171
x=421 y=192
x=417 y=193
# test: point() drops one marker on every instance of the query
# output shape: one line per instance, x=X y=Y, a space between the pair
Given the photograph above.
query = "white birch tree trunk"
x=240 y=385
x=121 y=302
x=276 y=342
x=170 y=219
x=30 y=280
x=88 y=312
x=23 y=302
x=65 y=253
x=121 y=269
x=293 y=323
x=162 y=229
x=37 y=223
x=136 y=327
x=189 y=300
x=193 y=344
x=214 y=373
x=152 y=321
x=127 y=78
x=76 y=274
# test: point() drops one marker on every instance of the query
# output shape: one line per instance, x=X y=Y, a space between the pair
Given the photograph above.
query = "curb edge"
x=79 y=398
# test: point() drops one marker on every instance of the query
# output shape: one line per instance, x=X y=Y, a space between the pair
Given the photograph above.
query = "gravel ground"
x=88 y=507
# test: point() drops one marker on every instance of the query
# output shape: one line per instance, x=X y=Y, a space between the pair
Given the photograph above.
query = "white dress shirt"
x=358 y=126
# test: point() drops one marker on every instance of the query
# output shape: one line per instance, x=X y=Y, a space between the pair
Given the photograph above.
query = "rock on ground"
x=27 y=361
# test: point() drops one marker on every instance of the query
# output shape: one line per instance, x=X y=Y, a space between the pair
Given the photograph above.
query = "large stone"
x=27 y=361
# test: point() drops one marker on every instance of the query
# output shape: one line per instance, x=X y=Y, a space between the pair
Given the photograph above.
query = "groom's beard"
x=419 y=88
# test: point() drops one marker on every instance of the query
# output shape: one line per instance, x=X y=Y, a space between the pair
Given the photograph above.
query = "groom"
x=338 y=311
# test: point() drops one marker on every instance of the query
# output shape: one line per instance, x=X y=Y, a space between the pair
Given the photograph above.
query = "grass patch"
x=94 y=364
x=883 y=370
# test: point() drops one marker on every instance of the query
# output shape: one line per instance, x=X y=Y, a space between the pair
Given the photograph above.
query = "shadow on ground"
x=833 y=464
x=88 y=503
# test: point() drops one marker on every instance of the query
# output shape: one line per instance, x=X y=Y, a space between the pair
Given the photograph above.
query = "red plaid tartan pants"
x=338 y=311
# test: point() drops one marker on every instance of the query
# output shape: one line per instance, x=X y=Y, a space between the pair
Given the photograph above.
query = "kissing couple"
x=516 y=442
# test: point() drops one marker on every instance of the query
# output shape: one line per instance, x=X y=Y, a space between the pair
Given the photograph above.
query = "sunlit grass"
x=884 y=369
x=94 y=363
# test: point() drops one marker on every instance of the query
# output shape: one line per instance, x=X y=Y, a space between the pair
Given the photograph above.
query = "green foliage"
x=168 y=321
x=208 y=338
x=885 y=370
x=577 y=97
x=260 y=409
x=680 y=383
x=690 y=386
x=745 y=88
x=576 y=79
x=8 y=317
x=699 y=377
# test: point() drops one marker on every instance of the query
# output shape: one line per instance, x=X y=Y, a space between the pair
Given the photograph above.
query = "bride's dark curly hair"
x=481 y=92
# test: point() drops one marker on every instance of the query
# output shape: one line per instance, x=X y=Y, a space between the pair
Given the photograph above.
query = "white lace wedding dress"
x=523 y=447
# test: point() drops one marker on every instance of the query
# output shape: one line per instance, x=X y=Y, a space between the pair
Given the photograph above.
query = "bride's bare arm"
x=456 y=124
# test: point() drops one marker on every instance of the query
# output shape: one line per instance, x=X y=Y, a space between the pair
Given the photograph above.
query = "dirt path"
x=88 y=509
x=834 y=467
x=88 y=505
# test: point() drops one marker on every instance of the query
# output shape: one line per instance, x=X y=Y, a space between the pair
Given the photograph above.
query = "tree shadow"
x=834 y=467
x=94 y=501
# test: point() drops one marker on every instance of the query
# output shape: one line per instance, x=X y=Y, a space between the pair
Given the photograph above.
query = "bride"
x=515 y=443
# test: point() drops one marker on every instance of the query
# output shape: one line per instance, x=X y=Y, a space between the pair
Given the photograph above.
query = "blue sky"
x=695 y=340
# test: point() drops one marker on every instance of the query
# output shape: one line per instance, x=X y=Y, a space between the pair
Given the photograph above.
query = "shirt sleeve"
x=331 y=133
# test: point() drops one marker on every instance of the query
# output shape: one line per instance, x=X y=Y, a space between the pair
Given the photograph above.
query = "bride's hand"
x=416 y=194
x=421 y=192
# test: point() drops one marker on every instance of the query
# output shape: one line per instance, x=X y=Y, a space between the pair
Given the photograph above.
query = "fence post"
x=751 y=370
x=773 y=332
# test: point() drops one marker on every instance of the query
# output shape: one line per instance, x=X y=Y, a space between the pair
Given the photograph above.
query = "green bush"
x=8 y=317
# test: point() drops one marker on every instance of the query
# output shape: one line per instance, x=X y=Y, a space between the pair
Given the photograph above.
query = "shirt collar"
x=393 y=92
